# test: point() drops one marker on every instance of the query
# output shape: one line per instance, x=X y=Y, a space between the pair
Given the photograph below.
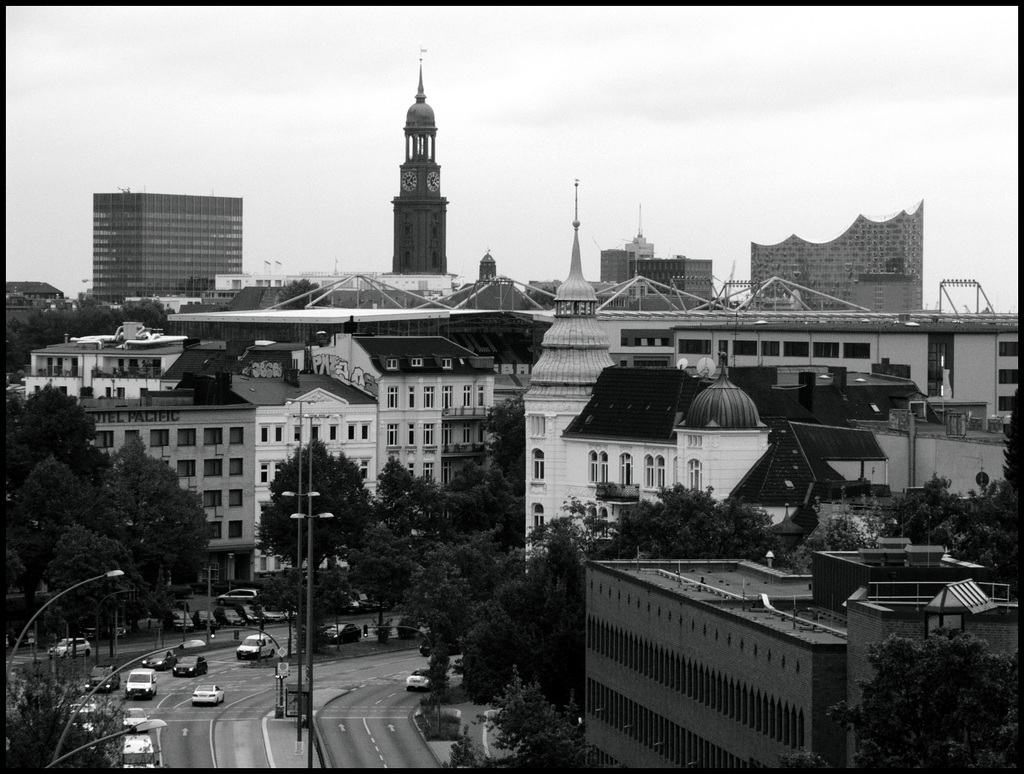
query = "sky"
x=724 y=126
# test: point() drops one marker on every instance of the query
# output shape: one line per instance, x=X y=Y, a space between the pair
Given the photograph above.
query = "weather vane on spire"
x=576 y=204
x=422 y=52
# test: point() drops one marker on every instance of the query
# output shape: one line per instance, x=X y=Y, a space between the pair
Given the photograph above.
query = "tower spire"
x=640 y=227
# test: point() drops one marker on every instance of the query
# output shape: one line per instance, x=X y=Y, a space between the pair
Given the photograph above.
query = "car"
x=342 y=632
x=255 y=647
x=182 y=622
x=418 y=681
x=74 y=646
x=239 y=596
x=207 y=694
x=204 y=619
x=133 y=716
x=191 y=666
x=272 y=616
x=251 y=613
x=228 y=616
x=160 y=661
x=141 y=683
x=106 y=677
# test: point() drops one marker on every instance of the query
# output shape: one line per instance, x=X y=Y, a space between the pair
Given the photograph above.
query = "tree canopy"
x=944 y=702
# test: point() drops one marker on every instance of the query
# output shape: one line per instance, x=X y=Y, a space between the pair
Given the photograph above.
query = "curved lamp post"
x=50 y=601
x=144 y=726
x=85 y=700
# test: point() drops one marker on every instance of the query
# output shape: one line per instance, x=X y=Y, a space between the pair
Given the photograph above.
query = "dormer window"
x=416 y=362
x=446 y=363
x=391 y=364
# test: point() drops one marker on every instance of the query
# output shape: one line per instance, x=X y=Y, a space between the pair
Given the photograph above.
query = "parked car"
x=205 y=619
x=207 y=694
x=251 y=613
x=228 y=616
x=272 y=616
x=418 y=681
x=191 y=666
x=255 y=647
x=133 y=716
x=106 y=676
x=238 y=596
x=141 y=684
x=90 y=631
x=74 y=646
x=160 y=661
x=342 y=632
x=182 y=622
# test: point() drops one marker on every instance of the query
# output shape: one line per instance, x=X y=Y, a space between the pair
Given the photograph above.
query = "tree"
x=39 y=706
x=342 y=493
x=691 y=524
x=299 y=287
x=1010 y=452
x=506 y=446
x=49 y=424
x=479 y=499
x=383 y=570
x=838 y=530
x=944 y=702
x=408 y=503
x=144 y=507
x=535 y=622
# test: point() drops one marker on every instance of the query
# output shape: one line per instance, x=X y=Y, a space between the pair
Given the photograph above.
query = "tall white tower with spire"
x=575 y=351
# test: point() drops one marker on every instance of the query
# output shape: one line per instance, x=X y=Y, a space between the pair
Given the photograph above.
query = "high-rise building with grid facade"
x=874 y=264
x=148 y=244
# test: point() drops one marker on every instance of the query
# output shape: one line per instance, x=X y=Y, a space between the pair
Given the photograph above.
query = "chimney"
x=806 y=392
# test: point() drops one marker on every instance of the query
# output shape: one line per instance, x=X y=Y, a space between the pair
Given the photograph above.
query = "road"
x=368 y=725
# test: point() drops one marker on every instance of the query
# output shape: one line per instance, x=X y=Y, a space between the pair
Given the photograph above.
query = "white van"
x=141 y=684
x=255 y=646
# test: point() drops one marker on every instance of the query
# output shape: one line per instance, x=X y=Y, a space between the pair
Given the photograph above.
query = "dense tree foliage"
x=383 y=569
x=529 y=732
x=944 y=702
x=506 y=445
x=342 y=493
x=305 y=288
x=481 y=499
x=691 y=524
x=39 y=707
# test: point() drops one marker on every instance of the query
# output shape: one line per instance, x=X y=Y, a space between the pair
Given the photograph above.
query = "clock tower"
x=419 y=207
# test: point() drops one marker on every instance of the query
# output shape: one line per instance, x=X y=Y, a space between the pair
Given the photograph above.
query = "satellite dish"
x=706 y=367
x=682 y=363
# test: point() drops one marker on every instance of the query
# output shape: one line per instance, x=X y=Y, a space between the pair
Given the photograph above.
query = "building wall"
x=163 y=244
x=958 y=459
x=699 y=686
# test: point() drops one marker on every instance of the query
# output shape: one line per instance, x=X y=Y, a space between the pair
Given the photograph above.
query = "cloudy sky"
x=727 y=127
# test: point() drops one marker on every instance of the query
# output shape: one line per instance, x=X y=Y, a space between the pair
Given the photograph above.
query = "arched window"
x=603 y=514
x=648 y=471
x=659 y=471
x=626 y=468
x=695 y=477
x=594 y=471
x=603 y=465
x=538 y=465
x=538 y=515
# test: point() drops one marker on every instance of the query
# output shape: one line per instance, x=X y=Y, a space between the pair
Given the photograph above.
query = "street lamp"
x=95 y=689
x=113 y=628
x=309 y=611
x=144 y=727
x=50 y=601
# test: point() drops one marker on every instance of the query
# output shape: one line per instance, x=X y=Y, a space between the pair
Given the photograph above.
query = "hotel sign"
x=134 y=417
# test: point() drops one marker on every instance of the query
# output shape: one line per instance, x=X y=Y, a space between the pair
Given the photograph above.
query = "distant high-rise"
x=874 y=264
x=147 y=244
x=420 y=209
x=636 y=259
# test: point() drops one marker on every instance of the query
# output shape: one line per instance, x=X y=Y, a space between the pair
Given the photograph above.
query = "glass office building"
x=148 y=244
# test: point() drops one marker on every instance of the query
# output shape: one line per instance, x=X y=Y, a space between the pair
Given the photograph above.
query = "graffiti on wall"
x=263 y=370
x=336 y=367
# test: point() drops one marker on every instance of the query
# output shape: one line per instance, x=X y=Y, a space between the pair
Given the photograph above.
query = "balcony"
x=478 y=412
x=149 y=372
x=463 y=448
x=53 y=371
x=622 y=493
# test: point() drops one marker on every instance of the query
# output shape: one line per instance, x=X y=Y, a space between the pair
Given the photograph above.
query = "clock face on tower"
x=409 y=180
x=433 y=180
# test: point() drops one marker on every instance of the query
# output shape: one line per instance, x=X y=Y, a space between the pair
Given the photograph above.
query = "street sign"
x=283 y=669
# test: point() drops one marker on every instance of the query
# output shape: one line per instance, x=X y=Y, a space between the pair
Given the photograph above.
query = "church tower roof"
x=420 y=115
x=575 y=349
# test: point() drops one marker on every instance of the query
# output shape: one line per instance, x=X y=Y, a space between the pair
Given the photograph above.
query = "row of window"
x=214 y=498
x=427 y=396
x=729 y=696
x=362 y=430
x=1007 y=349
x=211 y=467
x=748 y=347
x=268 y=470
x=391 y=363
x=187 y=436
x=468 y=436
x=216 y=532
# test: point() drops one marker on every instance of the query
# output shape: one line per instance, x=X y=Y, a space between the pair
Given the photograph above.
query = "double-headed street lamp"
x=309 y=616
x=50 y=601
